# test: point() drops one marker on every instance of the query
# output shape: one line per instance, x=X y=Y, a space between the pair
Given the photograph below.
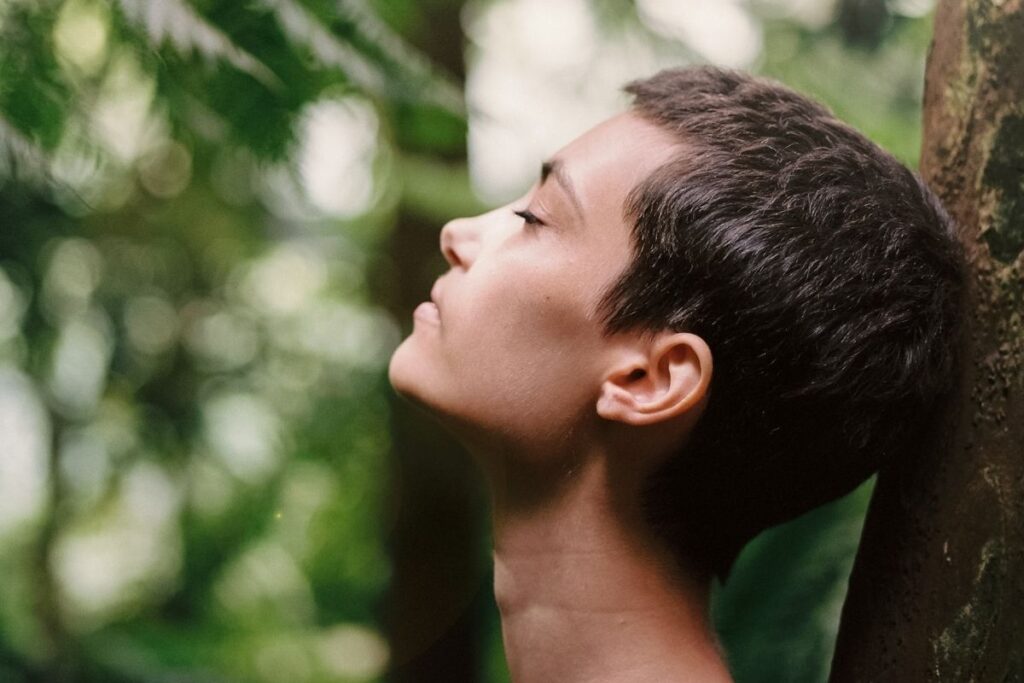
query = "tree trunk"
x=438 y=593
x=937 y=590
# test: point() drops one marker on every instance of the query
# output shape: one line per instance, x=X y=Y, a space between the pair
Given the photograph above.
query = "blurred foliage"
x=195 y=336
x=782 y=603
x=193 y=404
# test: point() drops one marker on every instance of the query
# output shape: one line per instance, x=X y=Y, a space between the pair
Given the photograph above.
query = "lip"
x=435 y=294
x=428 y=313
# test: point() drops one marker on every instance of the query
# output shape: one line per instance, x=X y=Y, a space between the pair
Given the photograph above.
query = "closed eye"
x=528 y=217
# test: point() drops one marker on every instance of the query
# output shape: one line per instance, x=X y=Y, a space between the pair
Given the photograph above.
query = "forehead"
x=604 y=165
x=610 y=159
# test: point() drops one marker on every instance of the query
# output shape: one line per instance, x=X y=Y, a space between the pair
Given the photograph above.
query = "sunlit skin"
x=566 y=422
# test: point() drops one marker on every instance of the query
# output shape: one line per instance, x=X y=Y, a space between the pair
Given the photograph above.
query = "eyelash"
x=528 y=217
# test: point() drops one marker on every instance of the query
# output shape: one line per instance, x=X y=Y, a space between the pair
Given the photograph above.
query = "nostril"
x=448 y=246
x=446 y=239
x=451 y=256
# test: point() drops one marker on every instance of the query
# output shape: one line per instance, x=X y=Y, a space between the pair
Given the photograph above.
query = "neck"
x=586 y=595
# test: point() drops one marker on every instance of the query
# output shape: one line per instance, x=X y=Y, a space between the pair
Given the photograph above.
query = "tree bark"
x=937 y=589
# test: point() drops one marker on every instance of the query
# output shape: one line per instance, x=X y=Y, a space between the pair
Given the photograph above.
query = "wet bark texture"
x=937 y=590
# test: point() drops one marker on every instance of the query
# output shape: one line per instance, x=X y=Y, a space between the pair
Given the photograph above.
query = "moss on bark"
x=937 y=591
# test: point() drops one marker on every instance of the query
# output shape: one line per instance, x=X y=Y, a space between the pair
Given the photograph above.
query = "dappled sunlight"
x=539 y=35
x=72 y=275
x=913 y=8
x=352 y=651
x=529 y=94
x=285 y=279
x=721 y=31
x=265 y=586
x=81 y=34
x=338 y=146
x=108 y=564
x=86 y=466
x=340 y=333
x=79 y=372
x=220 y=338
x=335 y=164
x=24 y=451
x=121 y=118
x=151 y=323
x=243 y=433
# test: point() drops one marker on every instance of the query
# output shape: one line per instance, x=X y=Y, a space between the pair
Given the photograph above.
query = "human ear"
x=656 y=381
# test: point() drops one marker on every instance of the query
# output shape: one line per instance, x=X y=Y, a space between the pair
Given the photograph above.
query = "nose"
x=459 y=241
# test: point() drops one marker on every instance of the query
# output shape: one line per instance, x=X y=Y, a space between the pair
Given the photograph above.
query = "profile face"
x=511 y=353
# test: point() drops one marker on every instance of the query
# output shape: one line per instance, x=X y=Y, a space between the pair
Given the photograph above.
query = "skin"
x=566 y=422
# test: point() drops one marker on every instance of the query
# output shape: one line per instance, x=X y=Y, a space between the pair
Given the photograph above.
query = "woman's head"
x=724 y=217
x=515 y=353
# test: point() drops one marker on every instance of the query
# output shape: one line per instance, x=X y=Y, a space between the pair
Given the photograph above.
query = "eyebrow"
x=555 y=167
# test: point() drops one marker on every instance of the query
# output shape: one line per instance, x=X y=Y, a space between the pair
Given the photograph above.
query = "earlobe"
x=658 y=381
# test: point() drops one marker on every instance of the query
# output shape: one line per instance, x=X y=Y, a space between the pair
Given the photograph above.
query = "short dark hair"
x=827 y=280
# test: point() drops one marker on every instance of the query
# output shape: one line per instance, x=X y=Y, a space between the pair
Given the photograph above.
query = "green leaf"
x=34 y=94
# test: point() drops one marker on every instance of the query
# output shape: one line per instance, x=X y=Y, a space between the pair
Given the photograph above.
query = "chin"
x=409 y=376
x=402 y=369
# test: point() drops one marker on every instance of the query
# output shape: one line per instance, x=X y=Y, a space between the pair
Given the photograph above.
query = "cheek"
x=528 y=340
x=520 y=315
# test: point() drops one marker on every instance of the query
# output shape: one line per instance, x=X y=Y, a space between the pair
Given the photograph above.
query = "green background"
x=194 y=323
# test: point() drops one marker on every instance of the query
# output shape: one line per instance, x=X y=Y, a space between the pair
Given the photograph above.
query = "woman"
x=712 y=313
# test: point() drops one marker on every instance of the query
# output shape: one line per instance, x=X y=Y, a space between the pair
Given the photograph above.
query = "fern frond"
x=302 y=28
x=439 y=88
x=177 y=22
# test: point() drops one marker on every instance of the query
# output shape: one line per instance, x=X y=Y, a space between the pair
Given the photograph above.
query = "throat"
x=586 y=595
